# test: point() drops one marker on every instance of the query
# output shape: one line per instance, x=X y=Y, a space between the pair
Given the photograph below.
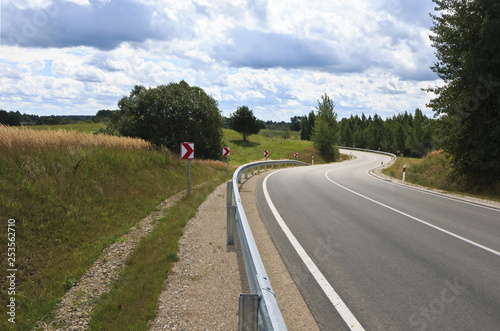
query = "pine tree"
x=466 y=36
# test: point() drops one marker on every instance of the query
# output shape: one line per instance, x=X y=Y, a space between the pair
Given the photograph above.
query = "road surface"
x=367 y=254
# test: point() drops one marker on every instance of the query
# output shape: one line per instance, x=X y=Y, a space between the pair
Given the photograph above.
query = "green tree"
x=326 y=132
x=306 y=126
x=288 y=133
x=244 y=122
x=295 y=123
x=346 y=136
x=399 y=138
x=375 y=132
x=168 y=115
x=466 y=36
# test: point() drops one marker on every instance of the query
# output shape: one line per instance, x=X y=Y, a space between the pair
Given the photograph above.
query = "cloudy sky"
x=275 y=56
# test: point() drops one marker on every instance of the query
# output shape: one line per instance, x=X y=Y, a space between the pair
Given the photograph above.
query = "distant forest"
x=405 y=133
x=16 y=118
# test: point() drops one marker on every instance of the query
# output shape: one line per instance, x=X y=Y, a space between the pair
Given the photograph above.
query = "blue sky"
x=276 y=57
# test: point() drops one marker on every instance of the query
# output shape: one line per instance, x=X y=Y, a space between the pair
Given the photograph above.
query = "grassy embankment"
x=271 y=140
x=74 y=194
x=434 y=170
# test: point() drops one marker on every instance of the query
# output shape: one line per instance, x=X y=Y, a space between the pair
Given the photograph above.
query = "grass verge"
x=279 y=148
x=133 y=299
x=434 y=171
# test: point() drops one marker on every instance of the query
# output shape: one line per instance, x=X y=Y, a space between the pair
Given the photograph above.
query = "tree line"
x=15 y=118
x=405 y=133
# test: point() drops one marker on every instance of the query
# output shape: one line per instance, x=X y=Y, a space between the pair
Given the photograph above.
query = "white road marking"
x=337 y=302
x=415 y=218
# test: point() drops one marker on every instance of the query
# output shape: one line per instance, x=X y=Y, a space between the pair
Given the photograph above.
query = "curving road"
x=367 y=254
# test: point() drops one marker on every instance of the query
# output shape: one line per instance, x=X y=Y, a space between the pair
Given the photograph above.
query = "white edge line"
x=416 y=219
x=332 y=295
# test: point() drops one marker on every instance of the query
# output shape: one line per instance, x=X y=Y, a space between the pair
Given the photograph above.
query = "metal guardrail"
x=269 y=315
x=368 y=150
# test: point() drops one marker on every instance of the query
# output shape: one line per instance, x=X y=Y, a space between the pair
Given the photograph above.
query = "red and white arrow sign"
x=187 y=151
x=266 y=153
x=226 y=151
x=295 y=154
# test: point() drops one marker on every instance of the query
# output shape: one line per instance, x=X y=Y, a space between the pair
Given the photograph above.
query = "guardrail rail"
x=258 y=310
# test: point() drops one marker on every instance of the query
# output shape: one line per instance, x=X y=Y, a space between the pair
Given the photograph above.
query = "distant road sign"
x=187 y=151
x=266 y=153
x=226 y=151
x=295 y=154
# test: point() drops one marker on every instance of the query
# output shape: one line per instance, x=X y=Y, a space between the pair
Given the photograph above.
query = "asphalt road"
x=368 y=254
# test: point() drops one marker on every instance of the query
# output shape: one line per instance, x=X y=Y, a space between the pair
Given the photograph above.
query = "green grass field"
x=279 y=148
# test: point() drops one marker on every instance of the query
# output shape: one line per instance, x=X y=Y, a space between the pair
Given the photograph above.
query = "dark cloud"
x=101 y=25
x=260 y=50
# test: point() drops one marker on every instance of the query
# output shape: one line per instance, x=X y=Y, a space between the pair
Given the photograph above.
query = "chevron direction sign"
x=187 y=151
x=226 y=151
x=266 y=153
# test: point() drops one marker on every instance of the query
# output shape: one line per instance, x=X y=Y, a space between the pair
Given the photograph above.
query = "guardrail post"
x=229 y=194
x=231 y=215
x=248 y=312
x=231 y=224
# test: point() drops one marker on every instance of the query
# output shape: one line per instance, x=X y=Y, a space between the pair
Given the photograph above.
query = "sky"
x=75 y=57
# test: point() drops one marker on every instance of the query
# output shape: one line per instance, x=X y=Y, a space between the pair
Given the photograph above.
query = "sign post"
x=187 y=153
x=266 y=154
x=226 y=151
x=404 y=172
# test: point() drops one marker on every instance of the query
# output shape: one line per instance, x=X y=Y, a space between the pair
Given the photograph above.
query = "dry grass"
x=24 y=138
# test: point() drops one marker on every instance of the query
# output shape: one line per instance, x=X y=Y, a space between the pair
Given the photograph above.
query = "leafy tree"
x=288 y=133
x=295 y=123
x=244 y=122
x=168 y=115
x=8 y=118
x=466 y=36
x=326 y=132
